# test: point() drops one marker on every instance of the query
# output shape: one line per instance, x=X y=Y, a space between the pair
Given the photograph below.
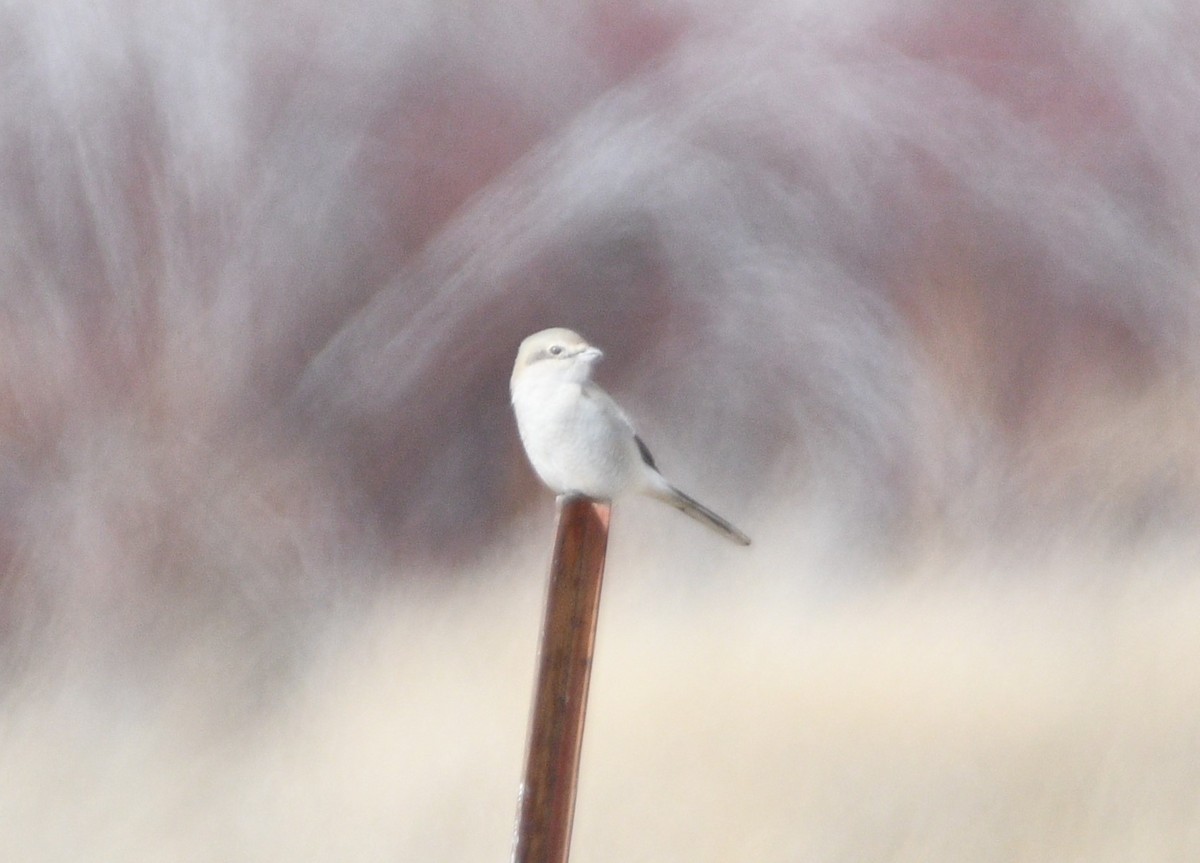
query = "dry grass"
x=939 y=721
x=930 y=271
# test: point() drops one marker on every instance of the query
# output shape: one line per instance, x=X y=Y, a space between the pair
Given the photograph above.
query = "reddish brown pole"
x=547 y=802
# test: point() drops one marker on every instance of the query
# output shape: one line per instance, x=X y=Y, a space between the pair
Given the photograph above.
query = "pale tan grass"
x=930 y=721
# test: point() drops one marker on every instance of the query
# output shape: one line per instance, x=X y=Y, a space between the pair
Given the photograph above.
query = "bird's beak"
x=591 y=355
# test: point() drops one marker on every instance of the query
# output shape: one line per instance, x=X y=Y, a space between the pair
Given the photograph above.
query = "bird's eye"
x=555 y=350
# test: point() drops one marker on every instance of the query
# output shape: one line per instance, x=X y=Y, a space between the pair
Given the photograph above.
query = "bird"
x=578 y=439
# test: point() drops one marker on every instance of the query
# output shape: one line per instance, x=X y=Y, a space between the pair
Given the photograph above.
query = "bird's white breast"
x=576 y=438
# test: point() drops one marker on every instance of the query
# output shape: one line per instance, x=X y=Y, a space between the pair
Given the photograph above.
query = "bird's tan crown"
x=549 y=344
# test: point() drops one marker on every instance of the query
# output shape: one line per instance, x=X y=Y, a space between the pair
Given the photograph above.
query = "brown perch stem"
x=547 y=802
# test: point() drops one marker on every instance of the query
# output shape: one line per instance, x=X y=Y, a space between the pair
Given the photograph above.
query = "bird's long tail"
x=690 y=506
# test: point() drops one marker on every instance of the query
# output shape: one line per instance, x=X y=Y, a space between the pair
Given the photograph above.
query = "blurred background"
x=908 y=291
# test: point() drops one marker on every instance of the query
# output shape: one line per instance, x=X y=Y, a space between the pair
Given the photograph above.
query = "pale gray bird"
x=576 y=437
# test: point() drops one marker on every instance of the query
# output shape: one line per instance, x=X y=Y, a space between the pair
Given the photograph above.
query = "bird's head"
x=557 y=353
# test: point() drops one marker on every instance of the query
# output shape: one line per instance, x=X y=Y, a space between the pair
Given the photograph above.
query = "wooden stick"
x=547 y=802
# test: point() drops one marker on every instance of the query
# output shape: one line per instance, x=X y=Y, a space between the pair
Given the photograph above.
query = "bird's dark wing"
x=645 y=451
